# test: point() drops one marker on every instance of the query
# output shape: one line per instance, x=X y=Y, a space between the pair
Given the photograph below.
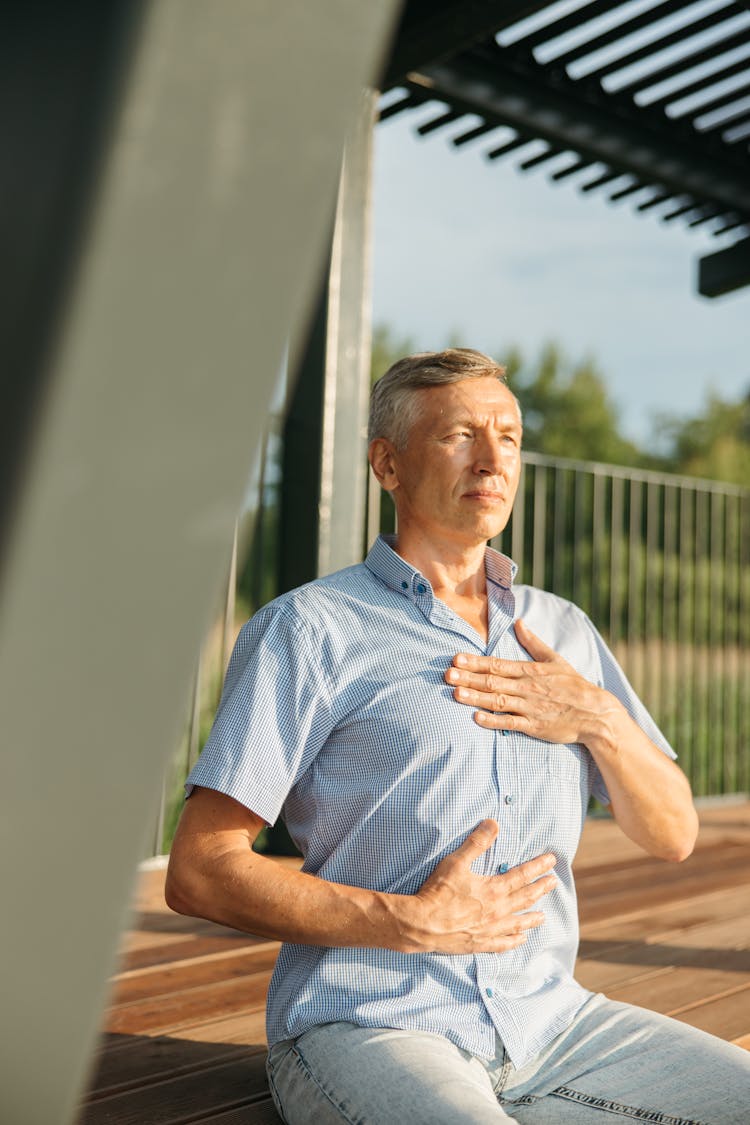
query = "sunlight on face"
x=458 y=474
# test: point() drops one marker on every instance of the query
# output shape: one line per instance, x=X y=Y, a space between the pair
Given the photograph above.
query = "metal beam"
x=725 y=271
x=435 y=29
x=198 y=261
x=488 y=83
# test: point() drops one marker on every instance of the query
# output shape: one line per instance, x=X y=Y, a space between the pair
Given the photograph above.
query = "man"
x=432 y=734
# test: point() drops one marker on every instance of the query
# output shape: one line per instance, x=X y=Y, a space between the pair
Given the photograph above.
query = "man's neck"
x=456 y=574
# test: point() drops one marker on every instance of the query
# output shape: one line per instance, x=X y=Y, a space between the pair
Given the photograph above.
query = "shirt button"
x=489 y=992
x=503 y=868
x=509 y=798
x=404 y=585
x=421 y=588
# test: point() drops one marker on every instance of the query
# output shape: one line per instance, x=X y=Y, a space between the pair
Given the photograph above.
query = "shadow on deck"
x=184 y=1037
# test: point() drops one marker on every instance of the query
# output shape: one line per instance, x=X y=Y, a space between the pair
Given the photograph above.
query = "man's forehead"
x=472 y=396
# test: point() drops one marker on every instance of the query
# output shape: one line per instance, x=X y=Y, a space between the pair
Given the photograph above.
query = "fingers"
x=530 y=871
x=477 y=842
x=533 y=644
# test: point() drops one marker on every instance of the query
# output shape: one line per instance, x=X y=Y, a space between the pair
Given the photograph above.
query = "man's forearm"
x=650 y=796
x=253 y=893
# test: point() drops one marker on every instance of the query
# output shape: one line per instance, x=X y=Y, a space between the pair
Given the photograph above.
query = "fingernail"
x=460 y=661
x=452 y=675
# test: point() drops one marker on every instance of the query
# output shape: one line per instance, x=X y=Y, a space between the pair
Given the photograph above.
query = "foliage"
x=567 y=410
x=715 y=445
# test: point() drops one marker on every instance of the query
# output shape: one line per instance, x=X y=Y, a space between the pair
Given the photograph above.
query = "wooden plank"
x=181 y=975
x=184 y=1097
x=262 y=1112
x=701 y=907
x=700 y=947
x=180 y=946
x=157 y=1015
x=672 y=991
x=621 y=895
x=726 y=1016
x=139 y=1060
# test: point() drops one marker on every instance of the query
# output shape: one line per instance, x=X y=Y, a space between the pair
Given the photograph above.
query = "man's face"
x=457 y=477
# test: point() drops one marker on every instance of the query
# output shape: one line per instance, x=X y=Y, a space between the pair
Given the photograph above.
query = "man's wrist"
x=608 y=727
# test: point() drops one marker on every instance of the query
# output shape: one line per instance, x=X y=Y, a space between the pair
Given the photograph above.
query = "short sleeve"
x=613 y=679
x=273 y=718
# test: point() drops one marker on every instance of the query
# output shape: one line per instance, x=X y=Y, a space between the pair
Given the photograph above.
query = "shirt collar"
x=400 y=576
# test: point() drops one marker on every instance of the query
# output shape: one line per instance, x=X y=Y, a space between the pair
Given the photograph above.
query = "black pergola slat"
x=474 y=134
x=567 y=23
x=601 y=181
x=563 y=118
x=631 y=189
x=719 y=101
x=534 y=161
x=449 y=53
x=509 y=146
x=655 y=200
x=701 y=84
x=438 y=122
x=620 y=31
x=687 y=62
x=571 y=169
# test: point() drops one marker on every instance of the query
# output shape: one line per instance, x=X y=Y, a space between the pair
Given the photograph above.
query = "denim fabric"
x=614 y=1061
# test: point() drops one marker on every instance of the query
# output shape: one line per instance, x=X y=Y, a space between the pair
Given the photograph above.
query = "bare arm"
x=547 y=698
x=213 y=873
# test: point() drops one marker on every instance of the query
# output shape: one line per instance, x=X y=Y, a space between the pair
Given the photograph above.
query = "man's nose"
x=489 y=459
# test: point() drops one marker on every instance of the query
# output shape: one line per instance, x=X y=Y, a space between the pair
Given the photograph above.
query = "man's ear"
x=381 y=457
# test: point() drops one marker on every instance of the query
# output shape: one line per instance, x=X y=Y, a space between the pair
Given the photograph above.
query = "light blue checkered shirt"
x=335 y=713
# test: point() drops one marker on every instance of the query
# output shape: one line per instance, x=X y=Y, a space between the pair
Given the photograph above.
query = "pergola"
x=642 y=101
x=168 y=184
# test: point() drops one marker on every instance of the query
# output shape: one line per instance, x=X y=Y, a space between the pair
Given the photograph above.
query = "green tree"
x=387 y=347
x=567 y=410
x=715 y=445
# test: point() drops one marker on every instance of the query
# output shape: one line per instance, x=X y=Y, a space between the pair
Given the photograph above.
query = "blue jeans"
x=614 y=1061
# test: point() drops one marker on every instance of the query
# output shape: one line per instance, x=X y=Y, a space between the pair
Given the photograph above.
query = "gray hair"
x=394 y=402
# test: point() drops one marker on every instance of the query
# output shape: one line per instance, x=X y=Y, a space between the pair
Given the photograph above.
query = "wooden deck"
x=183 y=1038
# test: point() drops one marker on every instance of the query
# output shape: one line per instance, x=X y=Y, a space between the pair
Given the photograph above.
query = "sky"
x=473 y=248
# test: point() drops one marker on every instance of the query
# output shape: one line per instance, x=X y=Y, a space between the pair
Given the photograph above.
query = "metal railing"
x=661 y=564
